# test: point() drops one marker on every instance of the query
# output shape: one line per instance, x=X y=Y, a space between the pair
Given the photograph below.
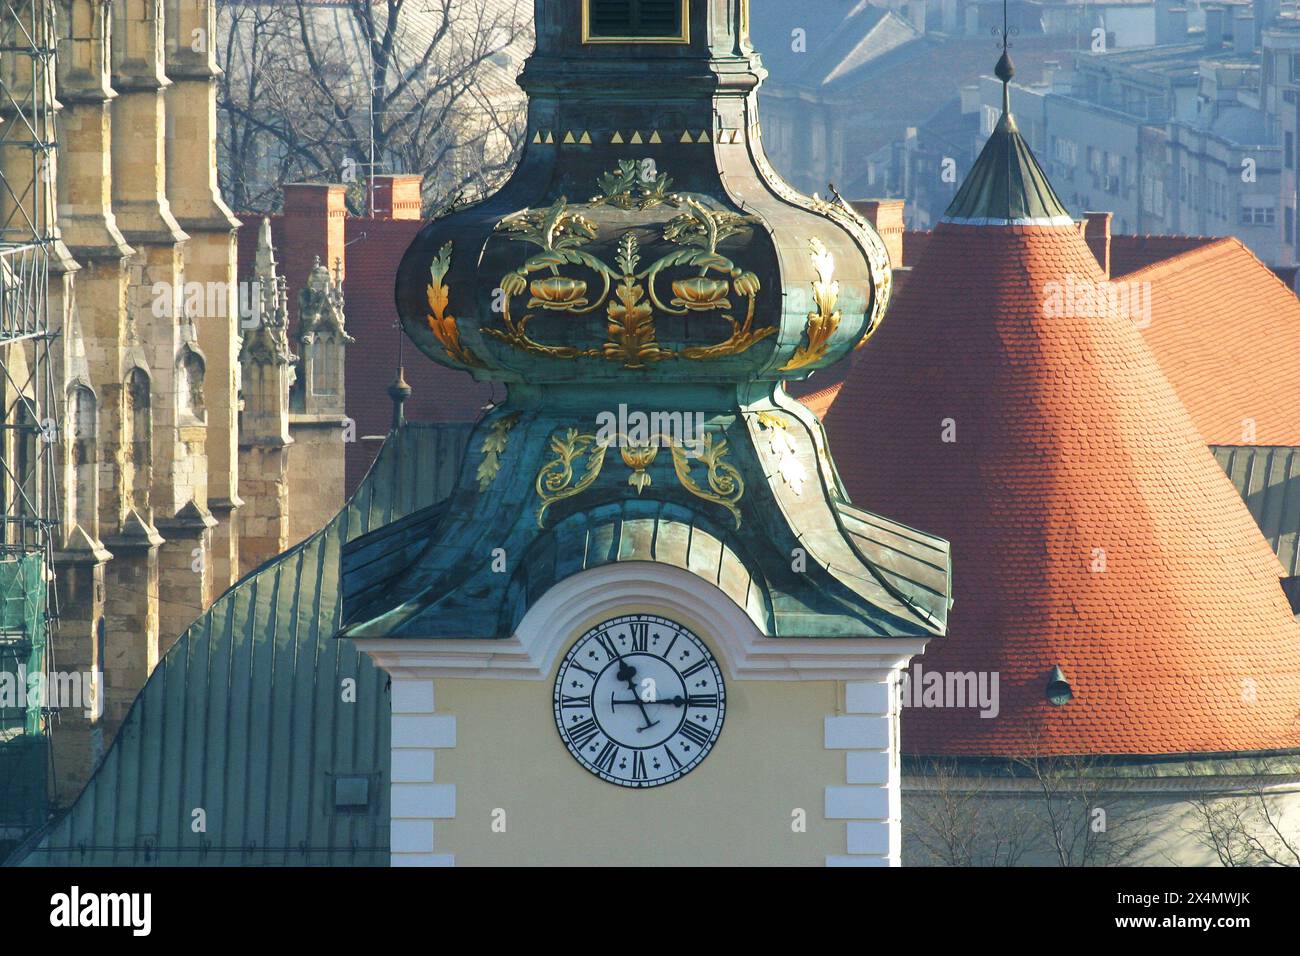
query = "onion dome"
x=644 y=284
x=643 y=236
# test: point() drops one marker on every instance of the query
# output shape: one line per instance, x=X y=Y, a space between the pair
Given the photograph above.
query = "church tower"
x=648 y=598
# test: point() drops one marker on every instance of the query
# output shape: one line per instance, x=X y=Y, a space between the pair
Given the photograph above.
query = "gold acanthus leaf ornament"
x=441 y=324
x=822 y=323
x=558 y=478
x=726 y=486
x=493 y=447
x=555 y=480
x=788 y=465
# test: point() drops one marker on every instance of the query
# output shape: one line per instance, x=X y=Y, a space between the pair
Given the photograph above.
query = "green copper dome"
x=644 y=285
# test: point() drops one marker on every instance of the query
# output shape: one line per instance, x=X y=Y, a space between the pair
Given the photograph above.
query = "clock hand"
x=626 y=672
x=677 y=701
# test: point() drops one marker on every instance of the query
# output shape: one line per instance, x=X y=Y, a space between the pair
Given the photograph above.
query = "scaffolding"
x=28 y=427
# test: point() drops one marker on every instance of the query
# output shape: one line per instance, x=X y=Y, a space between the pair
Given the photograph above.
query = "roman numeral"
x=567 y=701
x=581 y=734
x=638 y=766
x=695 y=668
x=605 y=761
x=701 y=700
x=607 y=645
x=695 y=733
x=640 y=635
x=584 y=670
x=669 y=649
x=672 y=757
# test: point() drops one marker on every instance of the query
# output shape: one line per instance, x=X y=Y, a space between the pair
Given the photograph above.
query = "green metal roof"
x=1006 y=186
x=245 y=718
x=434 y=575
x=1269 y=479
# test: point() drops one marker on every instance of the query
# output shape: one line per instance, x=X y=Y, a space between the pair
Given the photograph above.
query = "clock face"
x=639 y=700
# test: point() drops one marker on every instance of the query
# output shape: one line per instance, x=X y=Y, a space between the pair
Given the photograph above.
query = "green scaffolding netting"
x=22 y=653
x=22 y=640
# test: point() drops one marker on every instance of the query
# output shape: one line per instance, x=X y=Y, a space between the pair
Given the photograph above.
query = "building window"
x=636 y=21
x=83 y=419
x=189 y=387
x=1258 y=216
x=1288 y=150
x=1289 y=226
x=137 y=430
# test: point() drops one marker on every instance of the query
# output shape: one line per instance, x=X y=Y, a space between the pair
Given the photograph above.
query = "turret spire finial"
x=1005 y=70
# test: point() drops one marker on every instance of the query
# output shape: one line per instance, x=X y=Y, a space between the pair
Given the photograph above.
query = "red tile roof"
x=1226 y=331
x=1130 y=253
x=1071 y=448
x=821 y=401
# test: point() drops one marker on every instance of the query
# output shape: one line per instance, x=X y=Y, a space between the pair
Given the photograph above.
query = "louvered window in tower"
x=662 y=21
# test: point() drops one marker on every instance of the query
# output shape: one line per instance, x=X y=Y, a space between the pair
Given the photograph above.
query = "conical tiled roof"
x=1091 y=529
x=1006 y=186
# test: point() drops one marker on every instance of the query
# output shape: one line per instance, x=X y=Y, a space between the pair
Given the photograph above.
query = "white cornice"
x=580 y=601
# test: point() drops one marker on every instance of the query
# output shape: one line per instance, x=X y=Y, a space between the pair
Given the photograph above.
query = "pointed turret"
x=1006 y=186
x=1105 y=571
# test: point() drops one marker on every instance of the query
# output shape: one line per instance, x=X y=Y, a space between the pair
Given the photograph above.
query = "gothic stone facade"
x=149 y=456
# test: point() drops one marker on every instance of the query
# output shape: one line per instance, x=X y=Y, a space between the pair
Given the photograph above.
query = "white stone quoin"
x=418 y=733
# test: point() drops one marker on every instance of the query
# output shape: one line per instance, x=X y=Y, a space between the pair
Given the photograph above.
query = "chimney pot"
x=1096 y=232
x=1214 y=27
x=397 y=196
x=886 y=217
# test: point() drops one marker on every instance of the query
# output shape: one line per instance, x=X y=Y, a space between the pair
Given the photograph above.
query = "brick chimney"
x=886 y=215
x=1096 y=232
x=312 y=225
x=1215 y=26
x=397 y=196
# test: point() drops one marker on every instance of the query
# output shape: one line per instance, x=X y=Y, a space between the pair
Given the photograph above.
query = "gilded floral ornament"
x=725 y=485
x=634 y=185
x=639 y=458
x=493 y=447
x=882 y=275
x=777 y=431
x=630 y=295
x=441 y=324
x=822 y=323
x=555 y=480
x=558 y=479
x=631 y=321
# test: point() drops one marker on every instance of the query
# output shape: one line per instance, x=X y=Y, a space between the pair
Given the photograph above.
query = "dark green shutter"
x=635 y=18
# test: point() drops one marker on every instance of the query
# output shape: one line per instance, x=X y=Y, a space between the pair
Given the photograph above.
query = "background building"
x=144 y=418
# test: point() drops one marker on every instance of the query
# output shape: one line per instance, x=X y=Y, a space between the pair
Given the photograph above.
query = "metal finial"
x=1005 y=69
